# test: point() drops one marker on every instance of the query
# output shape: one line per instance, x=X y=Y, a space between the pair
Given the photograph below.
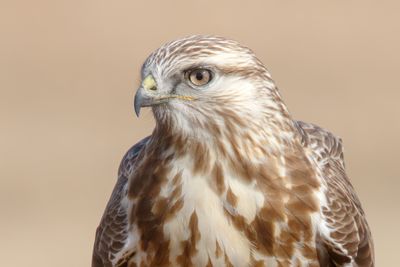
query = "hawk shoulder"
x=344 y=238
x=112 y=231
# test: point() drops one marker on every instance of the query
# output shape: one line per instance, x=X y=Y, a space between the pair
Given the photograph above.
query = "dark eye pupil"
x=199 y=76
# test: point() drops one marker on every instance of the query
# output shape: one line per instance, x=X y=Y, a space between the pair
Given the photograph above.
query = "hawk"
x=228 y=177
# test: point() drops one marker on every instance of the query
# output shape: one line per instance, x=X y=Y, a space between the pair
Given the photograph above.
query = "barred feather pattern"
x=348 y=241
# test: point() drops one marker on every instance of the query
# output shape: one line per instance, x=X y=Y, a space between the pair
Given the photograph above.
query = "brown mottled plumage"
x=228 y=178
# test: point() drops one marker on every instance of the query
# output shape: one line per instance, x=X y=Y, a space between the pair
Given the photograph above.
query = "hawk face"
x=190 y=80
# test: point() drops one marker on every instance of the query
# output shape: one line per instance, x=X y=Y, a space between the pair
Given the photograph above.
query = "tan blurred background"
x=69 y=70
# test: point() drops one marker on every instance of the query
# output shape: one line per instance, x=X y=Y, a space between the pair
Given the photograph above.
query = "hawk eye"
x=199 y=77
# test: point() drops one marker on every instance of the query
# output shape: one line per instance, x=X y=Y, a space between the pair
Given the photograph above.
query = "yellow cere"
x=149 y=83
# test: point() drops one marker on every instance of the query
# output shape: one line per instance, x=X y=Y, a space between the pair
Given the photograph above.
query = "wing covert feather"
x=112 y=230
x=348 y=241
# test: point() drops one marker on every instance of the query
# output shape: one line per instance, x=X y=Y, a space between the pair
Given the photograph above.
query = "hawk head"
x=190 y=81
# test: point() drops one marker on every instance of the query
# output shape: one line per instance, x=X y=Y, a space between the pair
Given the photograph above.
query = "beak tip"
x=137 y=112
x=138 y=103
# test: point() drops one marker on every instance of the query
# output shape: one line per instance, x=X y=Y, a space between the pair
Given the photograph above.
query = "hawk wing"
x=344 y=237
x=113 y=229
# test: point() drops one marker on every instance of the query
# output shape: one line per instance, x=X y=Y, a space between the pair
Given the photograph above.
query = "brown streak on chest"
x=200 y=155
x=289 y=202
x=218 y=180
x=282 y=222
x=149 y=211
x=231 y=198
x=218 y=250
x=189 y=246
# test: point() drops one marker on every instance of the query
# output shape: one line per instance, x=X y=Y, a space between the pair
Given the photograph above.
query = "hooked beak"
x=148 y=95
x=144 y=98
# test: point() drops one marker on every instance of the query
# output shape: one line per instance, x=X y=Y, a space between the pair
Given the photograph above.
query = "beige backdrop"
x=69 y=70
